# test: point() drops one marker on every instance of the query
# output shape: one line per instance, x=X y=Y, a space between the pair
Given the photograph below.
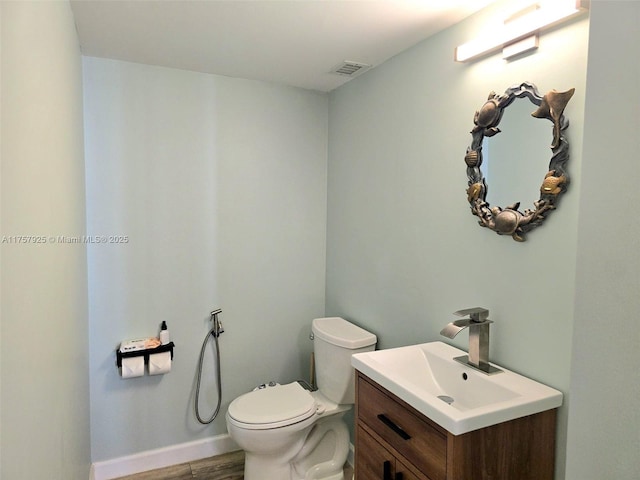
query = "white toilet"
x=290 y=433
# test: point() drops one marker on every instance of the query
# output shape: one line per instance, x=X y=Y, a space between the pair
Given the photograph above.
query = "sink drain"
x=446 y=399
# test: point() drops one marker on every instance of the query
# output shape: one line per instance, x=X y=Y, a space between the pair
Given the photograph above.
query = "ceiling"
x=292 y=42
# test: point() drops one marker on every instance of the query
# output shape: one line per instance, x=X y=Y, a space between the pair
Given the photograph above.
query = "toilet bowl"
x=291 y=433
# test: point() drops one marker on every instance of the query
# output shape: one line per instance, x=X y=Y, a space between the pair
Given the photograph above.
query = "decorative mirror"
x=509 y=220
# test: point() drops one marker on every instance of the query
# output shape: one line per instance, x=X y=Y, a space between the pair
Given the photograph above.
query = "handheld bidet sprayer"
x=215 y=331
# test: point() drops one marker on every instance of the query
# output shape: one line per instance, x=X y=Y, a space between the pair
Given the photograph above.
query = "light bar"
x=521 y=25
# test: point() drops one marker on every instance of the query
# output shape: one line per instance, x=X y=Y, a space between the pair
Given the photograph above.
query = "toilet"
x=291 y=433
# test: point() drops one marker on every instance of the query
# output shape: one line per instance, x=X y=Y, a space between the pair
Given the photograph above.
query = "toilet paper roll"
x=132 y=367
x=159 y=363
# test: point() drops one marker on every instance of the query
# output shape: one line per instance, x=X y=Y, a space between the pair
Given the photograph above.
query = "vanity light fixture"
x=519 y=32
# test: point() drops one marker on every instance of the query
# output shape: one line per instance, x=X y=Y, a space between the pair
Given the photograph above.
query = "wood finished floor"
x=229 y=466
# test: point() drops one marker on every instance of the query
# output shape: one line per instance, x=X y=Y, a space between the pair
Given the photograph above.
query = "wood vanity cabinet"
x=396 y=442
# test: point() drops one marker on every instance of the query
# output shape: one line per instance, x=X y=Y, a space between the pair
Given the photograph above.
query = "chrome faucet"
x=478 y=323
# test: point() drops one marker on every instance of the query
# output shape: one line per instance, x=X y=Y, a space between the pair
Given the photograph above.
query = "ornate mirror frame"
x=509 y=220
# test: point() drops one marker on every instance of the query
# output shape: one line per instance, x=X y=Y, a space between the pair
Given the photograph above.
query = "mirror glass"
x=514 y=160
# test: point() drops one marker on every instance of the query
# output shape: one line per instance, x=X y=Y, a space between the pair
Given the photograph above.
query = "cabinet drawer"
x=416 y=440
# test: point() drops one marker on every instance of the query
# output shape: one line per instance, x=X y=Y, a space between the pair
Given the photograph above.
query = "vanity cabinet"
x=396 y=442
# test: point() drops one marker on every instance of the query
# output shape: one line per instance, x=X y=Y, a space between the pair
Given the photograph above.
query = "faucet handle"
x=477 y=314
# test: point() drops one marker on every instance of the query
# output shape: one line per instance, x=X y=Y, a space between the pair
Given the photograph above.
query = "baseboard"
x=162 y=457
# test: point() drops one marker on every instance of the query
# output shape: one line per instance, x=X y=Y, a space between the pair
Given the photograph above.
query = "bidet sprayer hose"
x=215 y=332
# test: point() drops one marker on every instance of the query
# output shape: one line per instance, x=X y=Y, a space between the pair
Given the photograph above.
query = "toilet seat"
x=272 y=407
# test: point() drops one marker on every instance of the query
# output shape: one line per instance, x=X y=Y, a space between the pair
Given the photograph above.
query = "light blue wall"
x=220 y=186
x=404 y=251
x=44 y=419
x=604 y=418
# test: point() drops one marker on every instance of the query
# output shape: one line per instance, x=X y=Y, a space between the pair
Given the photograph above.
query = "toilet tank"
x=334 y=341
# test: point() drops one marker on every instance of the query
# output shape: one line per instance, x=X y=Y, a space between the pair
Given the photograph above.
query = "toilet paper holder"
x=144 y=353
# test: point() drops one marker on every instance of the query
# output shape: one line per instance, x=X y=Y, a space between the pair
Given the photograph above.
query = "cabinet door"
x=373 y=461
x=403 y=473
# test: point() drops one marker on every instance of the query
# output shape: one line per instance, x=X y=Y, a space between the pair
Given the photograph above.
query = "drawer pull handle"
x=386 y=470
x=383 y=418
x=399 y=476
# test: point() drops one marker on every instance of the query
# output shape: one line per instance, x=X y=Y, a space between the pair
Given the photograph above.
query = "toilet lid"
x=273 y=406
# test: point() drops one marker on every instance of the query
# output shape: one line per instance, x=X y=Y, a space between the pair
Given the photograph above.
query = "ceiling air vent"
x=351 y=69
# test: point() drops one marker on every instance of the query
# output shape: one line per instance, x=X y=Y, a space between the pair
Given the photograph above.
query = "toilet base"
x=325 y=451
x=320 y=456
x=265 y=468
x=337 y=476
x=254 y=468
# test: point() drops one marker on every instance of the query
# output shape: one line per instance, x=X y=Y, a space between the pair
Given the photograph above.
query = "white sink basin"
x=457 y=397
